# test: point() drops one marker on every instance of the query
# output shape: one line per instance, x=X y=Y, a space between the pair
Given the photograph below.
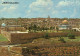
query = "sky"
x=40 y=8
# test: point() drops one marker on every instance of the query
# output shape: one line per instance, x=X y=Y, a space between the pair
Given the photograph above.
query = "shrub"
x=46 y=36
x=71 y=36
x=62 y=40
x=36 y=47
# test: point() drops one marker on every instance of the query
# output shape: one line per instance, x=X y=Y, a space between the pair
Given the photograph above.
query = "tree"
x=51 y=28
x=29 y=28
x=38 y=28
x=34 y=28
x=62 y=40
x=42 y=28
x=46 y=36
x=57 y=29
x=71 y=36
x=16 y=21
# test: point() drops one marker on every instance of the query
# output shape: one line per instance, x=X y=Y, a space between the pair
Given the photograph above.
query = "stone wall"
x=24 y=37
x=18 y=38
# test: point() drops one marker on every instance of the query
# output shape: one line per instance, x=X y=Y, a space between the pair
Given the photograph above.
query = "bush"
x=62 y=40
x=71 y=36
x=46 y=36
x=36 y=47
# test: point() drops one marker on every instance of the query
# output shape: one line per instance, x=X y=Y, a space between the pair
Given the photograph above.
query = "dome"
x=64 y=21
x=3 y=24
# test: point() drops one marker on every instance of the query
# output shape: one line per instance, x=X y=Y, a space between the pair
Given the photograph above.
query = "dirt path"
x=4 y=42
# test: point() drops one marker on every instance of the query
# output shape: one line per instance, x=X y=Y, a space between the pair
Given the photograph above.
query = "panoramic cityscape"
x=40 y=28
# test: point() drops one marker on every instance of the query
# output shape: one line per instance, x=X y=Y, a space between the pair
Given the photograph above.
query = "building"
x=15 y=28
x=12 y=27
x=64 y=25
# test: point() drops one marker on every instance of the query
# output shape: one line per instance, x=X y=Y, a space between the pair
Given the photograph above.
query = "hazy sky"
x=40 y=8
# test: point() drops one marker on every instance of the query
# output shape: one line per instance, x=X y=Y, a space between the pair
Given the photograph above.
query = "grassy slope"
x=2 y=38
x=72 y=40
x=77 y=39
x=53 y=40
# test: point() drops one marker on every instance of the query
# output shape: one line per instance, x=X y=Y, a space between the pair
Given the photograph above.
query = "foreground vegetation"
x=53 y=46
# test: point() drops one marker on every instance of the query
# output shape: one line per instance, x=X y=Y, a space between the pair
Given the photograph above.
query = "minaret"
x=48 y=16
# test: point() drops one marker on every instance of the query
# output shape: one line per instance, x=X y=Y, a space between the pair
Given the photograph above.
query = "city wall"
x=17 y=38
x=22 y=38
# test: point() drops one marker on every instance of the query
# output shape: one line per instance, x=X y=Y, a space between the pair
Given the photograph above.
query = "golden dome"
x=64 y=21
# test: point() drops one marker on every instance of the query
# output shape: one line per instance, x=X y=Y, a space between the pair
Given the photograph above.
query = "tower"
x=48 y=16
